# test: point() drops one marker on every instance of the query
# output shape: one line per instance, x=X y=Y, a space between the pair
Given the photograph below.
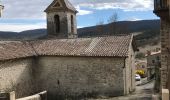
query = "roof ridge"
x=67 y=4
x=115 y=46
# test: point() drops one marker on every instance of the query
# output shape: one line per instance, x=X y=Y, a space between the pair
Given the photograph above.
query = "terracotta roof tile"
x=15 y=49
x=70 y=6
x=100 y=46
x=66 y=4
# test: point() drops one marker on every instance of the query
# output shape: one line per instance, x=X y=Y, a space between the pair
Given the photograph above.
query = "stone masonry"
x=79 y=77
x=165 y=49
x=67 y=77
x=69 y=68
x=161 y=9
x=16 y=75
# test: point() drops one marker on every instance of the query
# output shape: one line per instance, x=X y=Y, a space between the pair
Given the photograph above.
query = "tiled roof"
x=70 y=6
x=66 y=4
x=99 y=46
x=113 y=46
x=15 y=49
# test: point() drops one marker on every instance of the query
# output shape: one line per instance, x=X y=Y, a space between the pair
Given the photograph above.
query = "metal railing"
x=161 y=4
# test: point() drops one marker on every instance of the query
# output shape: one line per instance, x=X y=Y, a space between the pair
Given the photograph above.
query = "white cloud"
x=80 y=26
x=133 y=19
x=126 y=5
x=17 y=27
x=25 y=9
x=33 y=9
x=83 y=12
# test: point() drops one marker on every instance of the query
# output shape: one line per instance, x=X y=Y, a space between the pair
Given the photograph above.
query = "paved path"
x=143 y=92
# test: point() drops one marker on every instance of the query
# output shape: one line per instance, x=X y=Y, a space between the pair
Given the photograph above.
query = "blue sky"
x=103 y=15
x=28 y=14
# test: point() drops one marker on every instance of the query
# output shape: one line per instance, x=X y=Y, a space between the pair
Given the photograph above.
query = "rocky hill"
x=24 y=35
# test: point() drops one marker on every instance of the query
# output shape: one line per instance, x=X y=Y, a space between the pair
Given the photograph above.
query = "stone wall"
x=16 y=75
x=165 y=51
x=65 y=25
x=68 y=77
x=76 y=77
x=129 y=73
x=70 y=34
x=153 y=62
x=39 y=96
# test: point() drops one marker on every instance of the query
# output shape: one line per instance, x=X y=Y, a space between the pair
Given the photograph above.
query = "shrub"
x=140 y=55
x=141 y=73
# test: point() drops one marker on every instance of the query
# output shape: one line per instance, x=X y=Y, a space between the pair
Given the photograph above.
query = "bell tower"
x=61 y=19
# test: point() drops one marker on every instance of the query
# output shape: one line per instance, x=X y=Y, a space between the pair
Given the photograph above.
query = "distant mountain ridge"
x=24 y=35
x=145 y=31
x=131 y=27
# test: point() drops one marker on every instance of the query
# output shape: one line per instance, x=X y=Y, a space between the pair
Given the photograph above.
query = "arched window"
x=72 y=24
x=57 y=23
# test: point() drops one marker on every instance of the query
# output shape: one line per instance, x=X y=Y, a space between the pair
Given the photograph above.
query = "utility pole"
x=1 y=8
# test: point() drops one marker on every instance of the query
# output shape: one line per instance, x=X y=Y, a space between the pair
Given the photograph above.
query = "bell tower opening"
x=57 y=23
x=72 y=24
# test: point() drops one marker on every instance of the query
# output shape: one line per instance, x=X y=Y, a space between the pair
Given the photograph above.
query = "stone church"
x=66 y=66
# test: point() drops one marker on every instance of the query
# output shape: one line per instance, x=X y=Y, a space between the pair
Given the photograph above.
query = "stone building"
x=61 y=19
x=161 y=9
x=83 y=67
x=141 y=65
x=71 y=68
x=153 y=62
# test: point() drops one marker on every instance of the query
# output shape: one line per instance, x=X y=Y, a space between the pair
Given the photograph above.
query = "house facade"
x=141 y=65
x=161 y=9
x=153 y=63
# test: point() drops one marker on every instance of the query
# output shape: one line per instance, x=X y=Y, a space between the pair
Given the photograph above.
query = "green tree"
x=140 y=55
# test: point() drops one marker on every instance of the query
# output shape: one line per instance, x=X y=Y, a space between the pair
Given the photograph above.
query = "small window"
x=143 y=66
x=153 y=61
x=157 y=58
x=57 y=23
x=72 y=24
